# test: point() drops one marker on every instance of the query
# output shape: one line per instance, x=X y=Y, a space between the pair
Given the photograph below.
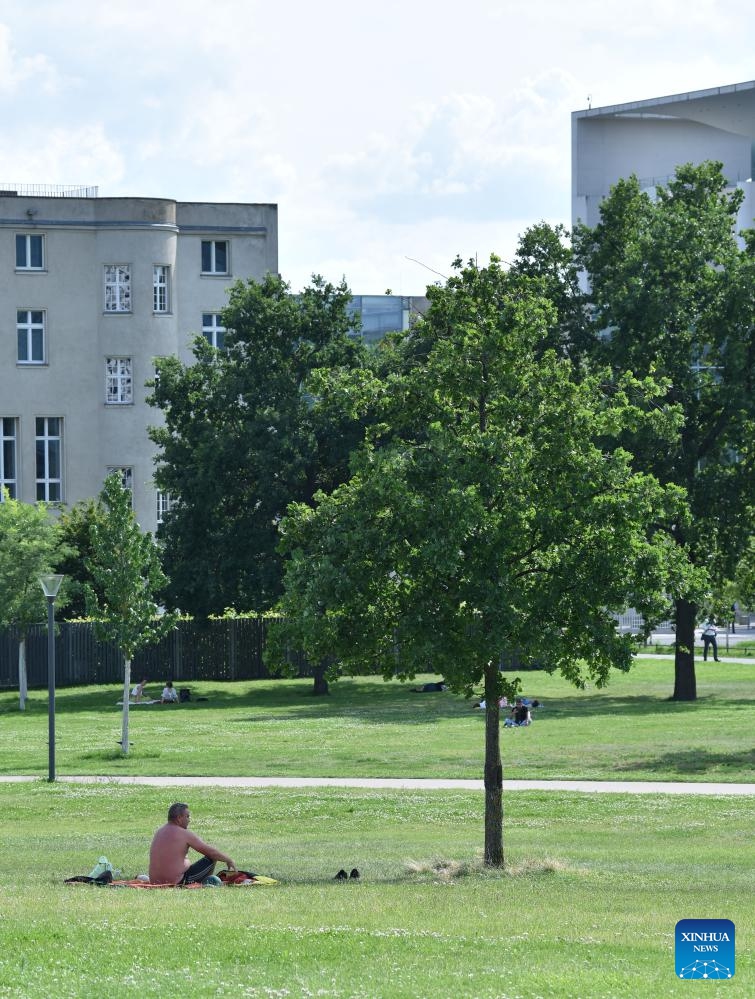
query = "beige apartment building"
x=92 y=290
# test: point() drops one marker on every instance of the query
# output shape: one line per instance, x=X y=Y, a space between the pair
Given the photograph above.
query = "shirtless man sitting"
x=168 y=854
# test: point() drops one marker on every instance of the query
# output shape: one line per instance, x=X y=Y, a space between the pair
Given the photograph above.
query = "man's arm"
x=209 y=851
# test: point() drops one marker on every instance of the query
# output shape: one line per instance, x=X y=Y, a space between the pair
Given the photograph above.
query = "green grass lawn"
x=586 y=907
x=368 y=728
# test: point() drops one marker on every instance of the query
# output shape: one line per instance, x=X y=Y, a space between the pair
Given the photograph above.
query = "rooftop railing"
x=9 y=190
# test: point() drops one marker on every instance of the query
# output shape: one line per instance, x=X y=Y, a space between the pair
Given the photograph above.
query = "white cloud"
x=18 y=73
x=62 y=156
x=419 y=129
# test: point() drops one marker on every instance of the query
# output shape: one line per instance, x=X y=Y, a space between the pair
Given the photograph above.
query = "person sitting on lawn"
x=520 y=715
x=429 y=688
x=169 y=694
x=138 y=690
x=168 y=854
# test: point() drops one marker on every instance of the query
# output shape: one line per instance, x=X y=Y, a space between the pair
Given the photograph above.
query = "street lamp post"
x=51 y=584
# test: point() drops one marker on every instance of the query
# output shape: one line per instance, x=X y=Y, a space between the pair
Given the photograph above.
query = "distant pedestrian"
x=709 y=639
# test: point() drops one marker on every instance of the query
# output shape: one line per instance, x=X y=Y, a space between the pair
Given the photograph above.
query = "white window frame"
x=126 y=473
x=213 y=268
x=164 y=505
x=119 y=381
x=27 y=237
x=117 y=288
x=212 y=327
x=49 y=452
x=8 y=443
x=26 y=327
x=160 y=289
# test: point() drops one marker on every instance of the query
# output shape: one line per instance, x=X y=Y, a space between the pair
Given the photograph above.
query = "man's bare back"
x=168 y=854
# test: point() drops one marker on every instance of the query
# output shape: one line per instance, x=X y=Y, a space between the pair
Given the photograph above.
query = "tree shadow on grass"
x=373 y=700
x=369 y=699
x=638 y=706
x=693 y=761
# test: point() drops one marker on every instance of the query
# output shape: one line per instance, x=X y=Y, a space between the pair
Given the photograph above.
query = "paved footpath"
x=723 y=657
x=416 y=784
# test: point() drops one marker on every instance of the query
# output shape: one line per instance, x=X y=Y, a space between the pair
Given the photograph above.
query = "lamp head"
x=50 y=583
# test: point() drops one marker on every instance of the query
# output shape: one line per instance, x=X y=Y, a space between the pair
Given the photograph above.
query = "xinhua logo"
x=704 y=949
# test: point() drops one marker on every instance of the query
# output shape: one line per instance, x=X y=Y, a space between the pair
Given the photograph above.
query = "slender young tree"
x=125 y=568
x=30 y=546
x=673 y=295
x=496 y=523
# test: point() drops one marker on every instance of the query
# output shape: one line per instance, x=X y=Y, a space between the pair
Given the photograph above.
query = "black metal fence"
x=228 y=649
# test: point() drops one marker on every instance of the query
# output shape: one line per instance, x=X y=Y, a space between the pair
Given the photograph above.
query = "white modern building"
x=92 y=290
x=651 y=138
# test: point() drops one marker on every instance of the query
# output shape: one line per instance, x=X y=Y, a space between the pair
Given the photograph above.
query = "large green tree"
x=126 y=577
x=242 y=438
x=30 y=546
x=503 y=524
x=673 y=295
x=744 y=576
x=545 y=254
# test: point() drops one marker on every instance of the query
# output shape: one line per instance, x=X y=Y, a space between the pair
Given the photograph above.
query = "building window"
x=117 y=288
x=30 y=253
x=7 y=456
x=164 y=505
x=160 y=298
x=213 y=329
x=214 y=256
x=126 y=474
x=49 y=440
x=30 y=330
x=119 y=384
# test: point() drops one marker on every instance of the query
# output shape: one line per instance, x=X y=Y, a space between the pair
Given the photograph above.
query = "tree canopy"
x=495 y=520
x=75 y=526
x=242 y=438
x=673 y=295
x=30 y=545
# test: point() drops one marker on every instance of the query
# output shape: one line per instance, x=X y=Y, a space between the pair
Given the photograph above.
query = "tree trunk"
x=493 y=771
x=320 y=688
x=685 y=686
x=126 y=692
x=23 y=688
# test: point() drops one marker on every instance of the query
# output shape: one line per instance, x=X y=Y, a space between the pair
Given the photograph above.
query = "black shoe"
x=354 y=873
x=341 y=876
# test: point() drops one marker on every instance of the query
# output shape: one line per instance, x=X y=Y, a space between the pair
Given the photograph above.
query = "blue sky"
x=422 y=129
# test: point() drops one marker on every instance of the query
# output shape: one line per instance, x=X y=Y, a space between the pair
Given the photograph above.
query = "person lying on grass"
x=168 y=854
